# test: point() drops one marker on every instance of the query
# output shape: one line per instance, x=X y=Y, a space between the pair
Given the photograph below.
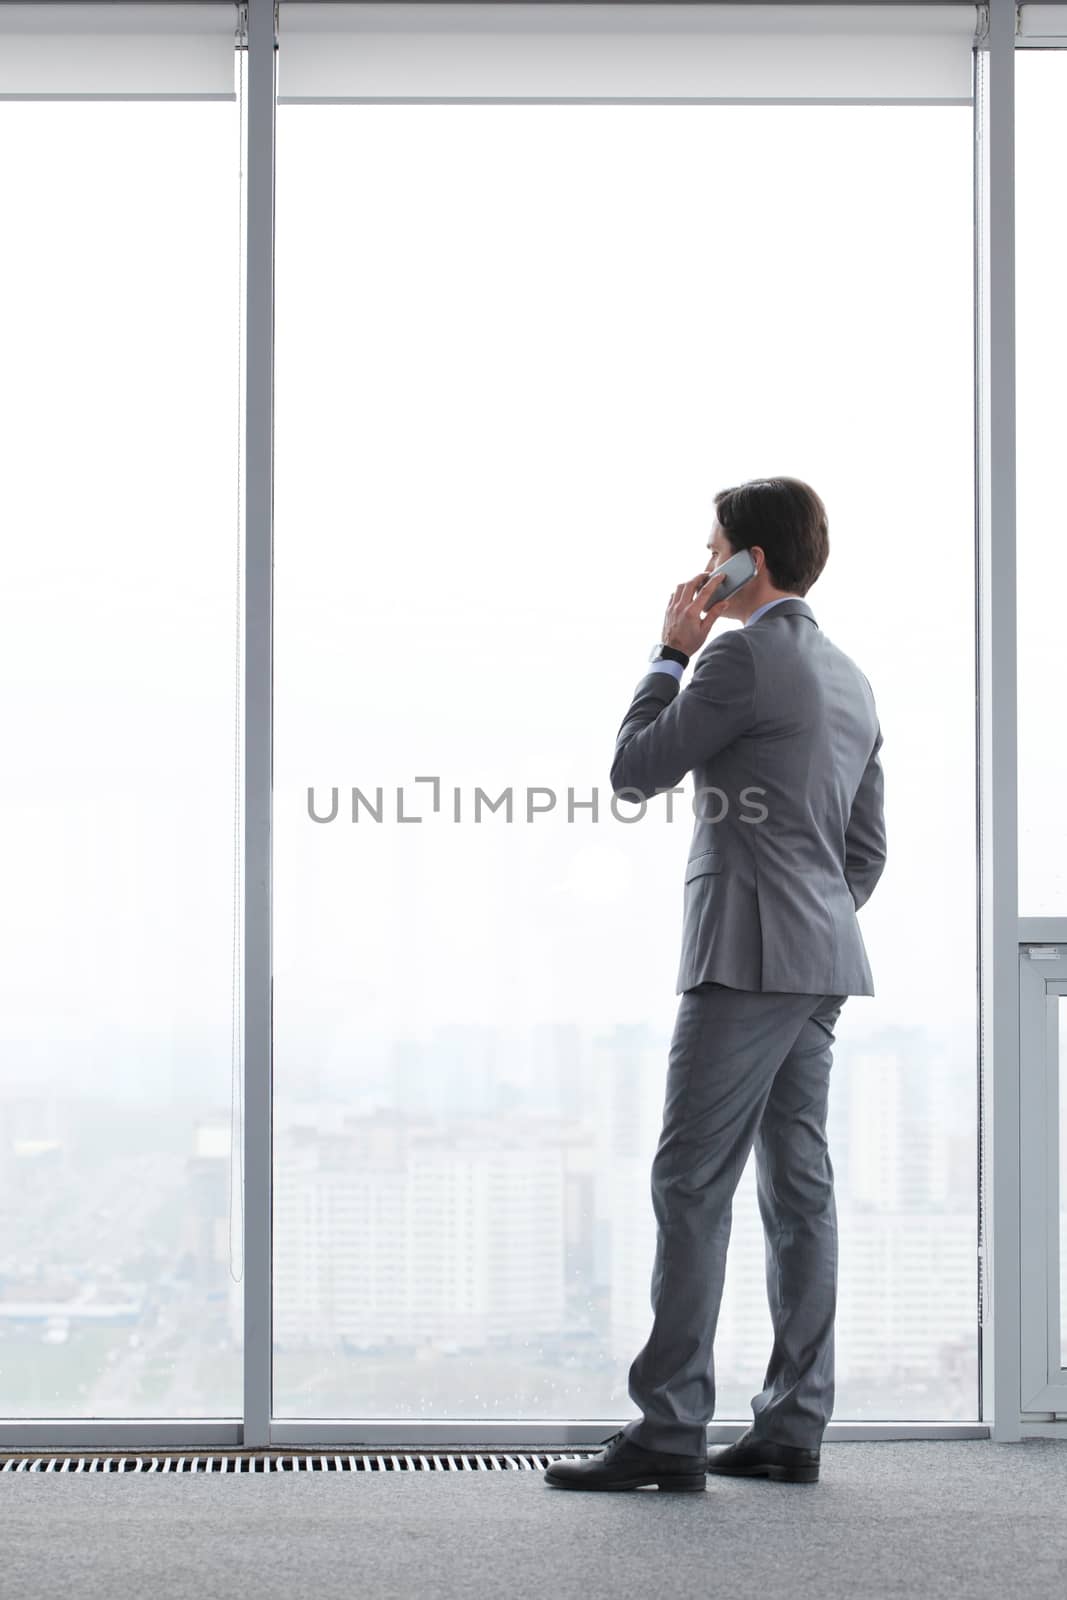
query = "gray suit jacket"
x=780 y=727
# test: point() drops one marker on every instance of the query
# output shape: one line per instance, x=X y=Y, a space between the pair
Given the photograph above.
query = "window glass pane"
x=519 y=349
x=118 y=607
x=1041 y=420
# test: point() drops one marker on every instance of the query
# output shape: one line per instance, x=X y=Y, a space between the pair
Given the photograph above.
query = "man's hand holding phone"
x=683 y=626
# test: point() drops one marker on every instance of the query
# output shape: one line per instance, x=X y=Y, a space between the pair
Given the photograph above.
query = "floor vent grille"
x=285 y=1461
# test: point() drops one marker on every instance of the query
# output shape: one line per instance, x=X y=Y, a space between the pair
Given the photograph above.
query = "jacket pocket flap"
x=708 y=861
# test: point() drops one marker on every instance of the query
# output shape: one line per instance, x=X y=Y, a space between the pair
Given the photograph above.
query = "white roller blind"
x=781 y=53
x=1042 y=26
x=118 y=51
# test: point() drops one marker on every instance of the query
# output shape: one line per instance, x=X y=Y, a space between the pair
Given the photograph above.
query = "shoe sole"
x=677 y=1483
x=769 y=1470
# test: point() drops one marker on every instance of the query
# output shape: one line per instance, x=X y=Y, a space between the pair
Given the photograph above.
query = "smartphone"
x=738 y=570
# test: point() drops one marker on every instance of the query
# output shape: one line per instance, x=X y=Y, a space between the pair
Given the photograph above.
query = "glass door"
x=1043 y=1147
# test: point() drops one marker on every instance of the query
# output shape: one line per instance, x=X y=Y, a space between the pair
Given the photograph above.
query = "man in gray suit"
x=779 y=728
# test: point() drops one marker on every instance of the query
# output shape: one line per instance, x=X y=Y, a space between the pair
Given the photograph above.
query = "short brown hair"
x=786 y=518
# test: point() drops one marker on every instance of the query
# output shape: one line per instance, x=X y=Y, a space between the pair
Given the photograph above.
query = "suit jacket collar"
x=796 y=605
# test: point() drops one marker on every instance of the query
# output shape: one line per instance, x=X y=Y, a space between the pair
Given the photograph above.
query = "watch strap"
x=667 y=652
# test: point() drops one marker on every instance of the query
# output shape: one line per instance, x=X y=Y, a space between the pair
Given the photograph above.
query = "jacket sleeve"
x=865 y=833
x=669 y=730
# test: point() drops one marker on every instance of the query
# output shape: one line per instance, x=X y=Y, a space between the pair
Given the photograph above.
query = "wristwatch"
x=667 y=652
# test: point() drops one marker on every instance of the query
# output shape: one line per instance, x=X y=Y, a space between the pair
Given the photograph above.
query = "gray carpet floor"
x=930 y=1518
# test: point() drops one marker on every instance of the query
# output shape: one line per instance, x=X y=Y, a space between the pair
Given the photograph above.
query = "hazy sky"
x=546 y=349
x=518 y=350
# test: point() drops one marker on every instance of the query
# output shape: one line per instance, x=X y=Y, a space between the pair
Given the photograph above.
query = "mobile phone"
x=737 y=572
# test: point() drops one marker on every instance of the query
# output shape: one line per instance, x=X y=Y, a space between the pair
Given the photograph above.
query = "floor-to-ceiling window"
x=1041 y=351
x=119 y=596
x=519 y=347
x=1041 y=347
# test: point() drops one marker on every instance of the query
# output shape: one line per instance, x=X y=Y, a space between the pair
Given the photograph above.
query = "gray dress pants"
x=744 y=1068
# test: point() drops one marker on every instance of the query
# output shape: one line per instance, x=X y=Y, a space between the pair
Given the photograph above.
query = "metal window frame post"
x=258 y=762
x=1000 y=1342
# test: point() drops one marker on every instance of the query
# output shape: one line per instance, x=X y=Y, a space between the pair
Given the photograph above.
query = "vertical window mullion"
x=259 y=381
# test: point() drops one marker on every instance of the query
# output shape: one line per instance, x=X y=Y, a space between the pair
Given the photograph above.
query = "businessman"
x=780 y=731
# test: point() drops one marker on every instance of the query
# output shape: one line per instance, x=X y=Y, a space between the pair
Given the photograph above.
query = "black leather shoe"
x=625 y=1465
x=749 y=1457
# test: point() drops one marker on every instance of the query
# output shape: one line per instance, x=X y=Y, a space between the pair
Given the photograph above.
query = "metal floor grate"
x=285 y=1461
